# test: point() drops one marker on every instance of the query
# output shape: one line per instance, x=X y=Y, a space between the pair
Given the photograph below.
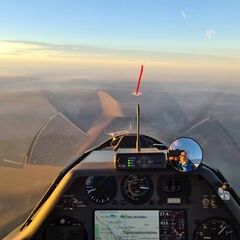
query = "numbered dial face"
x=137 y=189
x=101 y=190
x=215 y=229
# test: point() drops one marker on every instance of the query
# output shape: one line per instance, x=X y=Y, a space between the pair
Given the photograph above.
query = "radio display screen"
x=140 y=224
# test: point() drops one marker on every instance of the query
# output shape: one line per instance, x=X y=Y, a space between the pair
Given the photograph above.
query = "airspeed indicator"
x=101 y=189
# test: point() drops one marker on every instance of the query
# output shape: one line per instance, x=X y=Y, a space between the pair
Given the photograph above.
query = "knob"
x=73 y=203
x=226 y=186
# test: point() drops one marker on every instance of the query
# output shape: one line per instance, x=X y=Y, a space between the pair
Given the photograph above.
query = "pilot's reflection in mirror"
x=181 y=161
x=185 y=154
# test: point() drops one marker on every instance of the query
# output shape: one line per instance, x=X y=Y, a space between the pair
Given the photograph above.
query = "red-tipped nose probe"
x=139 y=81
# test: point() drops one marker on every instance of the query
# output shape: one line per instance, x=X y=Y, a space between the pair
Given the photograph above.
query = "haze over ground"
x=209 y=115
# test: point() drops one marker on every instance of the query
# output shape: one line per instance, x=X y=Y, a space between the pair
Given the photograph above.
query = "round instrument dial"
x=101 y=189
x=137 y=189
x=215 y=229
x=174 y=186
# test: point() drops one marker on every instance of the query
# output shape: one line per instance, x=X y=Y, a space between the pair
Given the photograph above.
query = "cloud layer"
x=97 y=62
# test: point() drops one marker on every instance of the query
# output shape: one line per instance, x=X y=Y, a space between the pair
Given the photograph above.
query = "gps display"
x=140 y=224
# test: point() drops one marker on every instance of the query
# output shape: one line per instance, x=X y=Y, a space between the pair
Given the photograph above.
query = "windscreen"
x=69 y=71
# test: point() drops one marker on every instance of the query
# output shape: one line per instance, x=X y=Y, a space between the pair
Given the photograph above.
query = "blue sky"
x=141 y=24
x=74 y=37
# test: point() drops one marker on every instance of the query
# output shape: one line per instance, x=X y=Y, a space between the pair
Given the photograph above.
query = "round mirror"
x=185 y=154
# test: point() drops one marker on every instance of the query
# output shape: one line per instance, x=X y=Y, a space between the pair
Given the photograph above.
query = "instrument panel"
x=107 y=196
x=139 y=205
x=129 y=195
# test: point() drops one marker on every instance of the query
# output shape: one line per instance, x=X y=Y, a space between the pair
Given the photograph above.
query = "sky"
x=72 y=38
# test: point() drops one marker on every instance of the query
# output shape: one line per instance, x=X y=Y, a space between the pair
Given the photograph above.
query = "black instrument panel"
x=176 y=201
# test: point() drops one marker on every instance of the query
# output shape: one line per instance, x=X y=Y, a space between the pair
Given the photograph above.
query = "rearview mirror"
x=185 y=154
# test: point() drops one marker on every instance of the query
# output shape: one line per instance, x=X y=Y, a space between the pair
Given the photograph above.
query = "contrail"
x=183 y=14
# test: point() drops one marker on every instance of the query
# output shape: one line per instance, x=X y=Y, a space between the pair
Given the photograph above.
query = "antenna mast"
x=138 y=145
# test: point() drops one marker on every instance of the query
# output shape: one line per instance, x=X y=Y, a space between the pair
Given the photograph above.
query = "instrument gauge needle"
x=92 y=190
x=222 y=230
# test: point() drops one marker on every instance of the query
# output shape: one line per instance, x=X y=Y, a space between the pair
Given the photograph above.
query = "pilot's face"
x=183 y=157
